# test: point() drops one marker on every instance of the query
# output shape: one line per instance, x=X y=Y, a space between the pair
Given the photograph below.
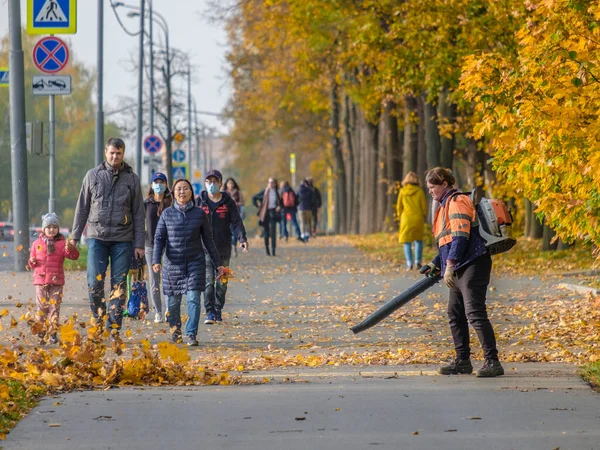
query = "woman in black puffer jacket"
x=182 y=231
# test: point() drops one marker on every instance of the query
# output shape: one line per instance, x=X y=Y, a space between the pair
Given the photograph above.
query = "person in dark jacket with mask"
x=269 y=206
x=159 y=198
x=224 y=217
x=182 y=233
x=112 y=206
x=305 y=209
x=466 y=264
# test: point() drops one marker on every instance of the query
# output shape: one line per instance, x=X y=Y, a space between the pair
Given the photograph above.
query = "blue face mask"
x=158 y=188
x=212 y=188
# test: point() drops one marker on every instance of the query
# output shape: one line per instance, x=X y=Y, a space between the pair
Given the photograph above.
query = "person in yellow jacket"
x=411 y=209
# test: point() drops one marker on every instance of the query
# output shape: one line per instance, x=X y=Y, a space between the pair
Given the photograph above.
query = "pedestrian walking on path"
x=269 y=206
x=290 y=208
x=466 y=264
x=159 y=198
x=224 y=218
x=112 y=206
x=316 y=205
x=47 y=259
x=411 y=210
x=182 y=233
x=234 y=191
x=306 y=200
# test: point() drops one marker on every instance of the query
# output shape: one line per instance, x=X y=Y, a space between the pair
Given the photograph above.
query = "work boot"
x=491 y=368
x=456 y=367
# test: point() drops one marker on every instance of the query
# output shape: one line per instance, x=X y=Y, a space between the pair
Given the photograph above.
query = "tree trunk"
x=432 y=135
x=370 y=199
x=339 y=167
x=547 y=244
x=357 y=152
x=410 y=135
x=447 y=115
x=350 y=183
x=533 y=227
x=421 y=143
x=394 y=159
x=381 y=180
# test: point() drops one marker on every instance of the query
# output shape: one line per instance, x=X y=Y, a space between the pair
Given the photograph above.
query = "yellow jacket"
x=411 y=209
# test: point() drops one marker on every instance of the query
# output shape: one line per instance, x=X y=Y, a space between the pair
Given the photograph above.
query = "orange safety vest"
x=453 y=219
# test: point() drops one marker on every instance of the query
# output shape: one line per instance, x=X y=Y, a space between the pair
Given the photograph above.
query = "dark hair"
x=235 y=185
x=286 y=184
x=184 y=180
x=166 y=201
x=438 y=175
x=116 y=143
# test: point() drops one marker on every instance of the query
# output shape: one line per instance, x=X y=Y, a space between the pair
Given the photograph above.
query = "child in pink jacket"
x=47 y=258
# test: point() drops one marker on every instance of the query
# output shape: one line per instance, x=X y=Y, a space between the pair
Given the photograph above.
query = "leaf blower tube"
x=395 y=303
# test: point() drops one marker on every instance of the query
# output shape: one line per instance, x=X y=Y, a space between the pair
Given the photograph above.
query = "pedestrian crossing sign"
x=180 y=172
x=52 y=16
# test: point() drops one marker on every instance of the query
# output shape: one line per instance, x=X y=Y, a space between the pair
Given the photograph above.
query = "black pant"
x=270 y=226
x=466 y=304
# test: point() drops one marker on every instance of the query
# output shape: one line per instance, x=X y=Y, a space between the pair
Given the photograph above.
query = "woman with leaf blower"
x=466 y=265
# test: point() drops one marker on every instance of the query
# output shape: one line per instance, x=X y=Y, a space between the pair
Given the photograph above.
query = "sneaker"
x=53 y=338
x=176 y=337
x=491 y=368
x=419 y=265
x=158 y=317
x=218 y=317
x=456 y=367
x=191 y=341
x=210 y=319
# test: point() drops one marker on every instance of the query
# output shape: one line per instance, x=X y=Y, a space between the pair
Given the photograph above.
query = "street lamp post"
x=20 y=193
x=140 y=112
x=162 y=22
x=99 y=141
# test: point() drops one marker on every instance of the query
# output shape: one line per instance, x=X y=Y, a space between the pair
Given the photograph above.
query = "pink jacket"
x=48 y=268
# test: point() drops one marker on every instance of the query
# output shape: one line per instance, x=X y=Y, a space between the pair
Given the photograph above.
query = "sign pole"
x=51 y=164
x=18 y=153
x=99 y=137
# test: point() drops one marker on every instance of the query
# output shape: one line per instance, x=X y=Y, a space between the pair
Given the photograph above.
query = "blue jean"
x=193 y=307
x=408 y=255
x=214 y=293
x=120 y=255
x=294 y=220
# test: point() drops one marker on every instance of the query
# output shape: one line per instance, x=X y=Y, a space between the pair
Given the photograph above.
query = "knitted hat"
x=49 y=219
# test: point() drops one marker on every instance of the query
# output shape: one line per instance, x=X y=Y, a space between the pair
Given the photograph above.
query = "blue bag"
x=137 y=305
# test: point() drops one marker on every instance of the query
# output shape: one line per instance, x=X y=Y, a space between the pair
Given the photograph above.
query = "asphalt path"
x=538 y=407
x=303 y=302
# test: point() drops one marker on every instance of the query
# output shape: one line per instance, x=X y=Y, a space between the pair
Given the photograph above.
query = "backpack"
x=137 y=305
x=289 y=199
x=495 y=223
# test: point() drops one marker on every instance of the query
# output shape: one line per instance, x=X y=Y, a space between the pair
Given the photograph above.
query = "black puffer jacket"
x=224 y=219
x=183 y=236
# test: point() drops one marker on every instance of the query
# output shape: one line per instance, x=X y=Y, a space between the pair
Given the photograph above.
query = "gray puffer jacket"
x=112 y=205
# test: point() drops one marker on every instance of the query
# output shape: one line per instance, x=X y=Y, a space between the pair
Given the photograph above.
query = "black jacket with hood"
x=224 y=219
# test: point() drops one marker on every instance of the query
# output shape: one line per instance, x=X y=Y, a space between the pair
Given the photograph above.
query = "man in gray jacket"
x=111 y=205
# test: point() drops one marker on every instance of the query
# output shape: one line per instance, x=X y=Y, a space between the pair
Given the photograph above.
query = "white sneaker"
x=158 y=318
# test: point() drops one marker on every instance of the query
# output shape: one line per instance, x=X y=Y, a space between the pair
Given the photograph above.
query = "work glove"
x=429 y=269
x=449 y=275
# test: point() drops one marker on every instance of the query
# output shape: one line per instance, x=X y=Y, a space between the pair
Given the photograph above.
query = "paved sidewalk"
x=535 y=407
x=301 y=304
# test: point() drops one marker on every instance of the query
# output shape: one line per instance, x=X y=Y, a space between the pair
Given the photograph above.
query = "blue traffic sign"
x=197 y=188
x=179 y=172
x=50 y=54
x=3 y=76
x=52 y=16
x=178 y=156
x=153 y=144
